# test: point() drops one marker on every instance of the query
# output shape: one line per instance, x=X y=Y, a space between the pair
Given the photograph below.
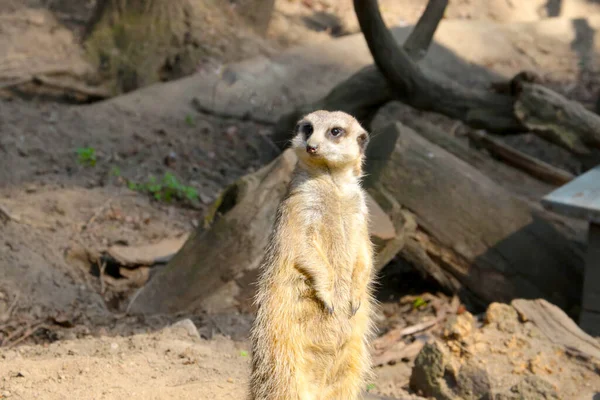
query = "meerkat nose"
x=311 y=149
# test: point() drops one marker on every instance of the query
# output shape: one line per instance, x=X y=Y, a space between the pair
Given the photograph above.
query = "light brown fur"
x=310 y=339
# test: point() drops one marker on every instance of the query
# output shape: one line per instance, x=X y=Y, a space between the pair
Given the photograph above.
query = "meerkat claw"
x=326 y=299
x=330 y=309
x=355 y=306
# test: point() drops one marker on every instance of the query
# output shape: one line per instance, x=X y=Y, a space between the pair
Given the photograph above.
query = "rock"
x=459 y=327
x=432 y=374
x=473 y=383
x=184 y=328
x=504 y=316
x=530 y=388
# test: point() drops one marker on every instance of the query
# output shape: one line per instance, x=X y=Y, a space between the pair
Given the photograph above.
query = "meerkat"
x=310 y=339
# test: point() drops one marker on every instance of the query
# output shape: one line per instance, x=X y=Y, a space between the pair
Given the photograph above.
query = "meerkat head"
x=334 y=140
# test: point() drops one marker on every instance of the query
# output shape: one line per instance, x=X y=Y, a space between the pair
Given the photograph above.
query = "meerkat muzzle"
x=311 y=149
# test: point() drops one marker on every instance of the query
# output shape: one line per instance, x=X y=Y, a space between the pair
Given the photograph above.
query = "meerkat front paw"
x=354 y=306
x=327 y=300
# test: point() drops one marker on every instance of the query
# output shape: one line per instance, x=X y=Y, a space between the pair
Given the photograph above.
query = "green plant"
x=115 y=171
x=86 y=156
x=189 y=119
x=244 y=353
x=167 y=189
x=370 y=387
x=419 y=302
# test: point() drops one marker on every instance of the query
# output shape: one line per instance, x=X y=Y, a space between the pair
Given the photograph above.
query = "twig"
x=411 y=330
x=15 y=82
x=16 y=333
x=84 y=90
x=30 y=331
x=61 y=84
x=96 y=214
x=530 y=165
x=6 y=214
x=11 y=308
x=102 y=284
x=246 y=116
x=384 y=342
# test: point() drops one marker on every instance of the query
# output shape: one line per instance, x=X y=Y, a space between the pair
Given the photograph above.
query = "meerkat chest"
x=338 y=218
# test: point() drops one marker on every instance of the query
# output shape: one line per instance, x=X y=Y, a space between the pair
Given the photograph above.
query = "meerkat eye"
x=335 y=132
x=307 y=130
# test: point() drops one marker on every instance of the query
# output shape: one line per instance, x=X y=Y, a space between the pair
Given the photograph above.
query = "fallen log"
x=224 y=253
x=231 y=240
x=558 y=120
x=450 y=221
x=510 y=178
x=472 y=235
x=558 y=327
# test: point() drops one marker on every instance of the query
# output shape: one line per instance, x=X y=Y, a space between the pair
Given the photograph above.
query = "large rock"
x=436 y=374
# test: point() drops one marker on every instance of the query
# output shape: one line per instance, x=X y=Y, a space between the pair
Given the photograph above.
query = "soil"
x=62 y=310
x=168 y=364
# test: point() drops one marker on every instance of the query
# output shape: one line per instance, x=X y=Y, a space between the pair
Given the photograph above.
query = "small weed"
x=167 y=189
x=189 y=119
x=370 y=387
x=419 y=302
x=244 y=353
x=86 y=156
x=115 y=171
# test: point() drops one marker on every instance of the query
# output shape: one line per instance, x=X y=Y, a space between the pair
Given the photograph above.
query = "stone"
x=503 y=316
x=459 y=327
x=184 y=329
x=432 y=374
x=473 y=383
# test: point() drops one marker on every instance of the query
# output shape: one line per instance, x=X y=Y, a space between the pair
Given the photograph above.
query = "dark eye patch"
x=307 y=130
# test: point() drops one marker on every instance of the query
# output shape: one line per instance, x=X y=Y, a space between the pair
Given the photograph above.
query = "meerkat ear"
x=363 y=141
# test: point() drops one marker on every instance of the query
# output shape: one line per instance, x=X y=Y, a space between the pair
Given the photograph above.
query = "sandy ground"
x=62 y=326
x=171 y=364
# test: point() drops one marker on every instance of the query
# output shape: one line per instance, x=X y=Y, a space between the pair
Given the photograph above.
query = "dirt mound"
x=173 y=363
x=509 y=357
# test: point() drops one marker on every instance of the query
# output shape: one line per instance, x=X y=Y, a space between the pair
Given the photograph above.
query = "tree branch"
x=363 y=93
x=419 y=40
x=478 y=108
x=522 y=161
